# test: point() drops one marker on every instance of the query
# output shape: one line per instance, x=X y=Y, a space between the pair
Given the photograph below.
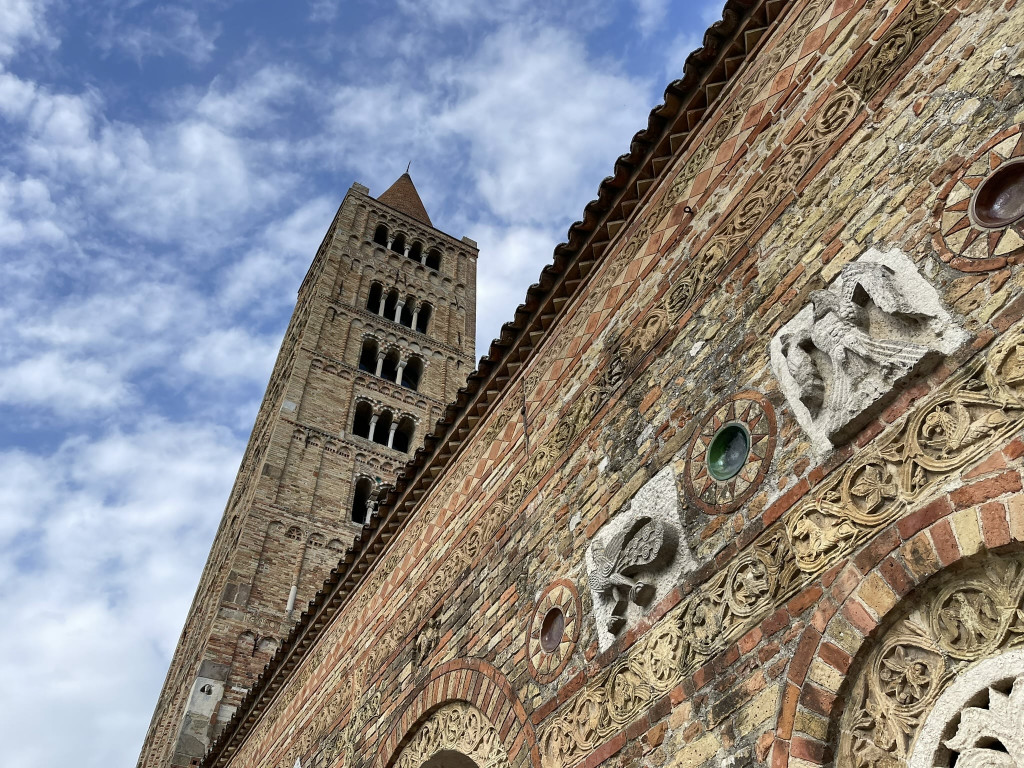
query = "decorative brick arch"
x=864 y=589
x=478 y=683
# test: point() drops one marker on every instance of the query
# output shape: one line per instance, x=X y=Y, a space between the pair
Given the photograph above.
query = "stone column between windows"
x=398 y=375
x=398 y=311
x=380 y=363
x=391 y=434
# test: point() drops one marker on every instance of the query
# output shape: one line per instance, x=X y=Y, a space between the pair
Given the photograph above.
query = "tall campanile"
x=380 y=341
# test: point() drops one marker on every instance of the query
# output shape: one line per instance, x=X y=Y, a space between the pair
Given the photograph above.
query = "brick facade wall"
x=847 y=129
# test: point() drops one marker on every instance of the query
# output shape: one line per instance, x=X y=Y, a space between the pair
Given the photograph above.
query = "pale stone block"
x=758 y=710
x=696 y=752
x=968 y=532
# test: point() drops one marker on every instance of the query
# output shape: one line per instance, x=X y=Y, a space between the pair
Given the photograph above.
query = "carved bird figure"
x=840 y=328
x=637 y=547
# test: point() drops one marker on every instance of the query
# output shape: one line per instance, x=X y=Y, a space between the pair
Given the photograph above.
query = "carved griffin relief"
x=877 y=324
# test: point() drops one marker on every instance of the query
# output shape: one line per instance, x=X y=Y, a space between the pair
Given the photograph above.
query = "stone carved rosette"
x=981 y=209
x=554 y=630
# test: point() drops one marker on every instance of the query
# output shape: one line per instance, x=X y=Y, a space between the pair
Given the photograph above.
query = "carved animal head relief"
x=841 y=358
x=637 y=557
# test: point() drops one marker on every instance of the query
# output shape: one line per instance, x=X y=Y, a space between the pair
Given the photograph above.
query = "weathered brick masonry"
x=764 y=505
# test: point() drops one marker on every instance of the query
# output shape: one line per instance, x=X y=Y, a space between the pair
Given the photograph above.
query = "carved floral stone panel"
x=939 y=686
x=457 y=727
x=838 y=361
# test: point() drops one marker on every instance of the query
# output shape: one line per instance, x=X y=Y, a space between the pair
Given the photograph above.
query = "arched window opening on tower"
x=368 y=356
x=403 y=435
x=362 y=419
x=407 y=310
x=389 y=370
x=375 y=297
x=398 y=244
x=383 y=428
x=390 y=302
x=423 y=317
x=380 y=237
x=434 y=258
x=416 y=252
x=412 y=373
x=361 y=500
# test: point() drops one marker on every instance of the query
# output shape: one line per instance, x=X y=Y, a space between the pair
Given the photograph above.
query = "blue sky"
x=168 y=170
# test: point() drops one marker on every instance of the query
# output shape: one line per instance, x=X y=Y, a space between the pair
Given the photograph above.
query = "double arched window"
x=383 y=426
x=398 y=243
x=388 y=364
x=405 y=309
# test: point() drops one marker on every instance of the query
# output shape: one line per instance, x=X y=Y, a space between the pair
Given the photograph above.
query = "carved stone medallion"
x=554 y=631
x=981 y=209
x=841 y=358
x=730 y=453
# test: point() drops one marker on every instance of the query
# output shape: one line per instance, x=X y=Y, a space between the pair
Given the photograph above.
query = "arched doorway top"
x=461 y=683
x=455 y=735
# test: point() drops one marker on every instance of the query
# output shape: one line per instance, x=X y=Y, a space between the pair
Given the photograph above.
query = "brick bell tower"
x=380 y=341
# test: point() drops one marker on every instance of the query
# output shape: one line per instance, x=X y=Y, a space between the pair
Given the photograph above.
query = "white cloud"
x=537 y=116
x=67 y=385
x=231 y=354
x=650 y=14
x=101 y=544
x=168 y=30
x=23 y=21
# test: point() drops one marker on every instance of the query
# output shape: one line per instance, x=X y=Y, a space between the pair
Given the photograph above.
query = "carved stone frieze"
x=915 y=697
x=771 y=570
x=877 y=324
x=456 y=727
x=975 y=409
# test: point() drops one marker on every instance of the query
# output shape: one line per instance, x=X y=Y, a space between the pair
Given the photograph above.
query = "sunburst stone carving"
x=554 y=630
x=748 y=413
x=981 y=209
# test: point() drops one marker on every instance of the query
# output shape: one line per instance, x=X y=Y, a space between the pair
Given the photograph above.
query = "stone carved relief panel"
x=456 y=727
x=876 y=325
x=637 y=557
x=954 y=426
x=939 y=686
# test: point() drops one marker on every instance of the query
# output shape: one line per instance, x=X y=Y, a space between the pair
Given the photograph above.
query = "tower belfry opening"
x=376 y=348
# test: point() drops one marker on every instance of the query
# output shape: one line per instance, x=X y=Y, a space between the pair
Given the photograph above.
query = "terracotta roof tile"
x=403 y=197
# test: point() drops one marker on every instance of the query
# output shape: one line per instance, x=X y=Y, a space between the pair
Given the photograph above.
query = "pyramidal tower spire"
x=403 y=197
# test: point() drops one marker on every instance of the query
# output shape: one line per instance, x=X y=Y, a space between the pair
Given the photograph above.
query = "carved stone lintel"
x=840 y=359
